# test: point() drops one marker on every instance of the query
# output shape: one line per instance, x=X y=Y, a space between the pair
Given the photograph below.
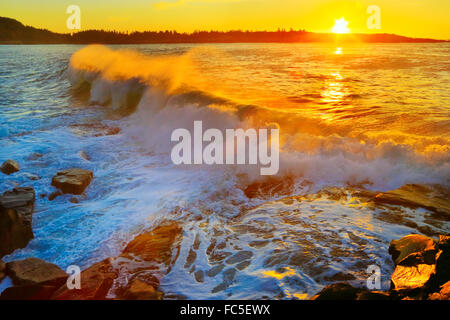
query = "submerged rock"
x=94 y=129
x=16 y=209
x=9 y=166
x=54 y=194
x=73 y=180
x=32 y=271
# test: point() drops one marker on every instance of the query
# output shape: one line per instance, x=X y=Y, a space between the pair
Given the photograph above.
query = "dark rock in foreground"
x=34 y=279
x=145 y=259
x=96 y=281
x=422 y=272
x=73 y=180
x=9 y=166
x=16 y=209
x=2 y=270
x=338 y=291
x=32 y=271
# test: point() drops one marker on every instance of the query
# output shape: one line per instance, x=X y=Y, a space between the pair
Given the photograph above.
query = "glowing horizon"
x=409 y=18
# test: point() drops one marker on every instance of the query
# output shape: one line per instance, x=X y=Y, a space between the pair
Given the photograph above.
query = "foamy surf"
x=170 y=90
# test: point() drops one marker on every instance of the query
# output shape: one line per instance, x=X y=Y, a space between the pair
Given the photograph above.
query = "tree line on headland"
x=14 y=32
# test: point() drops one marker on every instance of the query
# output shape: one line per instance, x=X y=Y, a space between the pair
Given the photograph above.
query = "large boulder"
x=415 y=259
x=72 y=180
x=413 y=248
x=412 y=277
x=16 y=209
x=96 y=282
x=32 y=271
x=33 y=279
x=9 y=166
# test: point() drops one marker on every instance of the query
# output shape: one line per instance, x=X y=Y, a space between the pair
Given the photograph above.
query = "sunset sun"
x=340 y=26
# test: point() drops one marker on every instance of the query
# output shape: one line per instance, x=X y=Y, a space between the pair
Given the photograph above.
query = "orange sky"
x=416 y=18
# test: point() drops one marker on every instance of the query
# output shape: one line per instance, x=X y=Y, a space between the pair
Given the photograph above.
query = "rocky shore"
x=422 y=272
x=421 y=262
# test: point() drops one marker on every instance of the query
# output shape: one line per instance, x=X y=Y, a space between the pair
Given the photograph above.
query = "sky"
x=415 y=18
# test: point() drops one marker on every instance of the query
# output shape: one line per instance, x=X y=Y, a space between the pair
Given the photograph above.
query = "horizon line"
x=285 y=30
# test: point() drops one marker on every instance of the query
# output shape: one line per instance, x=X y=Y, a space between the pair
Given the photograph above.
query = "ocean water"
x=352 y=118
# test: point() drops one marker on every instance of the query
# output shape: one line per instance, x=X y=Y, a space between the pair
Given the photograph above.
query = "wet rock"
x=192 y=255
x=239 y=257
x=373 y=295
x=442 y=274
x=9 y=166
x=415 y=247
x=74 y=200
x=443 y=294
x=415 y=257
x=32 y=271
x=94 y=129
x=141 y=261
x=214 y=271
x=199 y=276
x=84 y=155
x=140 y=290
x=96 y=282
x=31 y=176
x=338 y=291
x=73 y=180
x=156 y=245
x=2 y=270
x=412 y=277
x=270 y=187
x=54 y=194
x=29 y=292
x=416 y=196
x=151 y=255
x=35 y=156
x=16 y=209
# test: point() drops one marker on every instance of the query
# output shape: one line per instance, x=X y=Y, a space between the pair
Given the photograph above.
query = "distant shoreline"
x=13 y=32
